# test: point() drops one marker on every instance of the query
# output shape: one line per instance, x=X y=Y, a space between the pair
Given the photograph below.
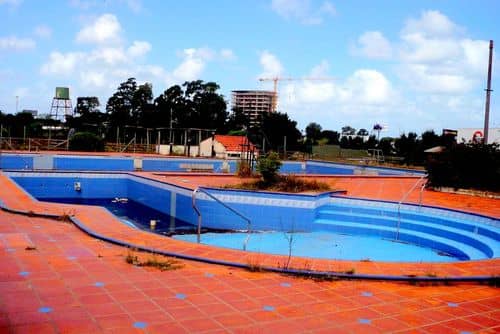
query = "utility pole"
x=488 y=93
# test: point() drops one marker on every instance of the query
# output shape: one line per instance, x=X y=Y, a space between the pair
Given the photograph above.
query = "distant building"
x=469 y=135
x=253 y=103
x=34 y=113
x=226 y=147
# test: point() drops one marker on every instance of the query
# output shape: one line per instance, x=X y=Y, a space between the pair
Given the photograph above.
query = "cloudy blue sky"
x=410 y=65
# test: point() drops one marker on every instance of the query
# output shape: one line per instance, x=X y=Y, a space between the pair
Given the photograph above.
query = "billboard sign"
x=476 y=135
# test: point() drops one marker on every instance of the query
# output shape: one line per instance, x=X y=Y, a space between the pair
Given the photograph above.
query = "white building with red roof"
x=227 y=147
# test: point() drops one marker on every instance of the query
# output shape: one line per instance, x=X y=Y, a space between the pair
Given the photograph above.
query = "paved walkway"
x=57 y=279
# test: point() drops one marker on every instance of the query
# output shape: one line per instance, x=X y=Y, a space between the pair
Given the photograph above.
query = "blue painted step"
x=457 y=249
x=488 y=246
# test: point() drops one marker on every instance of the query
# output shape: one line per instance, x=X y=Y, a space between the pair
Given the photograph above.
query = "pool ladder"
x=406 y=196
x=198 y=212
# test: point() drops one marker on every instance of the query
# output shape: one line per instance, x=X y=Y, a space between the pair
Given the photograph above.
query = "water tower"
x=61 y=104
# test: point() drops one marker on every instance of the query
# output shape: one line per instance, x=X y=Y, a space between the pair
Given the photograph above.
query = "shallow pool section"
x=323 y=245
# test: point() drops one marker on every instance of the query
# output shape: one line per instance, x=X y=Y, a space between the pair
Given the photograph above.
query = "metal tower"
x=61 y=104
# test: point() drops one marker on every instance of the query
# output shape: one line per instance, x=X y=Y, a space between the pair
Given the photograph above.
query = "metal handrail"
x=406 y=196
x=126 y=146
x=198 y=212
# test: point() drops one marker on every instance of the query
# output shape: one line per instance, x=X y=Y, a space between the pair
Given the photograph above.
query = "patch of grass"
x=254 y=265
x=351 y=271
x=66 y=216
x=162 y=263
x=284 y=183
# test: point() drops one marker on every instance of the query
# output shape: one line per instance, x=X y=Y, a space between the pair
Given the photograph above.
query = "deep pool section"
x=452 y=233
x=134 y=214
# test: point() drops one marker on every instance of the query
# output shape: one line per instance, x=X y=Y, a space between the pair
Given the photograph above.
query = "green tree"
x=406 y=146
x=86 y=105
x=275 y=126
x=348 y=130
x=313 y=132
x=332 y=136
x=142 y=99
x=363 y=132
x=121 y=104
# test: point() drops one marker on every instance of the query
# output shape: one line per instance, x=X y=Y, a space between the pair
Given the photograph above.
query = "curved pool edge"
x=414 y=272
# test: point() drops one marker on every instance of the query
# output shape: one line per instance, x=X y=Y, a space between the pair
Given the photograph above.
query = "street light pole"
x=488 y=93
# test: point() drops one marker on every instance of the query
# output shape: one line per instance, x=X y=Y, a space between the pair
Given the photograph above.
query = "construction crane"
x=276 y=79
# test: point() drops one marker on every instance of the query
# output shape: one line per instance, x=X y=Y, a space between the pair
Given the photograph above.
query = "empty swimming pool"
x=323 y=226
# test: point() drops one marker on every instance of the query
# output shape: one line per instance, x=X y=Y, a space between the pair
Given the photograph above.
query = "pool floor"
x=323 y=245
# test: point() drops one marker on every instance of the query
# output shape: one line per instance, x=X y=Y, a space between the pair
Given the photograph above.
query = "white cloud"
x=62 y=63
x=134 y=5
x=108 y=55
x=139 y=48
x=227 y=54
x=13 y=3
x=43 y=31
x=271 y=66
x=370 y=87
x=303 y=10
x=83 y=4
x=432 y=23
x=321 y=69
x=13 y=43
x=105 y=29
x=436 y=58
x=193 y=63
x=373 y=44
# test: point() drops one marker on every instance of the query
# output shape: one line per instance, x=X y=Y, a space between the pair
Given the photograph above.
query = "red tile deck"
x=69 y=282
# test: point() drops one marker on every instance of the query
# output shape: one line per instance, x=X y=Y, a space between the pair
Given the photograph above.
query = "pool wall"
x=265 y=210
x=104 y=163
x=467 y=236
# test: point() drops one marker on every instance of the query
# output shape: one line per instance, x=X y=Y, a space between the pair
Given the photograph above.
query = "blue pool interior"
x=127 y=163
x=321 y=225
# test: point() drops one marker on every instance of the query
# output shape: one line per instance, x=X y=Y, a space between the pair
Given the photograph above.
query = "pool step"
x=448 y=220
x=485 y=244
x=460 y=250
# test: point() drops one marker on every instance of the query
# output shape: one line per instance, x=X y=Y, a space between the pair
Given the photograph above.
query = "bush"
x=86 y=141
x=268 y=167
x=466 y=166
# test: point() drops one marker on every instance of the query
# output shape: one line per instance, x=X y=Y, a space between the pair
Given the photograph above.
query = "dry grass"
x=284 y=183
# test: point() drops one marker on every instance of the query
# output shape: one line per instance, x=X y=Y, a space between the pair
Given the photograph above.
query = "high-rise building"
x=253 y=103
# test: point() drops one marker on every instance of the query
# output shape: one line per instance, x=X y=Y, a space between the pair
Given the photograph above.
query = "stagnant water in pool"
x=317 y=244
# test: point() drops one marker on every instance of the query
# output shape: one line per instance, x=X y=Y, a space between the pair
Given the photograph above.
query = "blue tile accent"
x=24 y=273
x=99 y=284
x=366 y=294
x=180 y=296
x=452 y=304
x=268 y=308
x=71 y=258
x=364 y=321
x=45 y=309
x=465 y=332
x=140 y=324
x=209 y=275
x=286 y=285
